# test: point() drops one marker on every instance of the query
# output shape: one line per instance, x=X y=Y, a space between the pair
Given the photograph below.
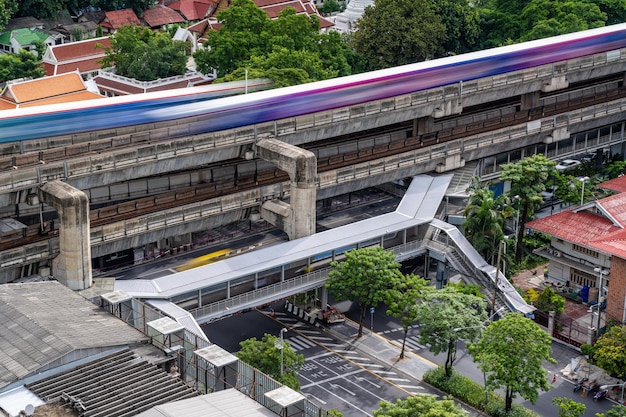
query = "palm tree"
x=484 y=219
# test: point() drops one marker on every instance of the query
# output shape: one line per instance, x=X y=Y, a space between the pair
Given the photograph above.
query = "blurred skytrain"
x=205 y=259
x=264 y=106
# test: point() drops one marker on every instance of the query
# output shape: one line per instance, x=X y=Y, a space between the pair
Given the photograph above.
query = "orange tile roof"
x=75 y=96
x=40 y=88
x=47 y=90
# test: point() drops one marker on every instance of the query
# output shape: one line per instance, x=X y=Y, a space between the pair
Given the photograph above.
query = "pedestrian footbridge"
x=281 y=270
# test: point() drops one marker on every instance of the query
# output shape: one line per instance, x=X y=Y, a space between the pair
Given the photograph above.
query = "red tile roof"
x=68 y=57
x=194 y=9
x=598 y=225
x=160 y=15
x=616 y=184
x=118 y=18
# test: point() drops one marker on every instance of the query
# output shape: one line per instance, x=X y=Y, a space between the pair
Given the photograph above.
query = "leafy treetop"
x=511 y=352
x=609 y=351
x=420 y=405
x=265 y=356
x=145 y=55
x=365 y=277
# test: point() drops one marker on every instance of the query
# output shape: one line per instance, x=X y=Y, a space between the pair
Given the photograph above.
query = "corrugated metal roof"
x=226 y=403
x=179 y=314
x=418 y=206
x=43 y=321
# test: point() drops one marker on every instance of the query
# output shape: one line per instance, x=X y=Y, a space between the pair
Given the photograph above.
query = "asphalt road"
x=335 y=375
x=390 y=328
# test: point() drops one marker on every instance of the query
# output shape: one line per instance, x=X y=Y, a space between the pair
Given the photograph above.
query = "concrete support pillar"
x=73 y=265
x=448 y=108
x=557 y=135
x=529 y=100
x=297 y=219
x=450 y=162
x=555 y=83
x=423 y=125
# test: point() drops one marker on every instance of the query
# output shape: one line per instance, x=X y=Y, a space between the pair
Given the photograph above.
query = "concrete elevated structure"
x=428 y=131
x=72 y=266
x=297 y=219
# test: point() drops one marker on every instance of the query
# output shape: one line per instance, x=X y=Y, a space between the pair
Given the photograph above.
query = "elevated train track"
x=396 y=142
x=375 y=133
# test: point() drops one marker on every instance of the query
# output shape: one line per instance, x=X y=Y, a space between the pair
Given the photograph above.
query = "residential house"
x=14 y=40
x=62 y=88
x=307 y=7
x=194 y=10
x=115 y=19
x=82 y=56
x=77 y=31
x=159 y=16
x=588 y=248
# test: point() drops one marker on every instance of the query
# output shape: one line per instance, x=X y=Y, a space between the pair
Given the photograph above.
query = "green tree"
x=462 y=23
x=615 y=10
x=138 y=6
x=40 y=9
x=289 y=50
x=403 y=301
x=528 y=178
x=265 y=356
x=145 y=55
x=330 y=6
x=484 y=219
x=550 y=300
x=398 y=32
x=615 y=411
x=7 y=9
x=610 y=351
x=446 y=316
x=568 y=407
x=365 y=276
x=544 y=18
x=511 y=352
x=420 y=405
x=23 y=64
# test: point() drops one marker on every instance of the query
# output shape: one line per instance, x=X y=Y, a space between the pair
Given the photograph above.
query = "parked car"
x=567 y=164
x=590 y=157
x=548 y=193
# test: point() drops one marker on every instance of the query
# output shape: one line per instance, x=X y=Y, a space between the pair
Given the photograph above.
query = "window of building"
x=581 y=278
x=586 y=251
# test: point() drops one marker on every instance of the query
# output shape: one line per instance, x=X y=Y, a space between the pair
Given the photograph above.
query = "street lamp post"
x=282 y=349
x=621 y=397
x=582 y=194
x=601 y=273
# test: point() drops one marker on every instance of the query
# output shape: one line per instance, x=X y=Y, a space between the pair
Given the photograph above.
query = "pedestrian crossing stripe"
x=299 y=343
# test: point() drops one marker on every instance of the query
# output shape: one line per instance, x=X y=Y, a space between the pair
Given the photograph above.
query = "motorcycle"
x=578 y=384
x=600 y=395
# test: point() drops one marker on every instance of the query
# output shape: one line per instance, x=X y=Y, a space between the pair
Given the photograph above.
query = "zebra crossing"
x=305 y=337
x=412 y=341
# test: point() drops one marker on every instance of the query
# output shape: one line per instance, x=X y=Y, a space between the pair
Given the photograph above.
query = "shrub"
x=468 y=391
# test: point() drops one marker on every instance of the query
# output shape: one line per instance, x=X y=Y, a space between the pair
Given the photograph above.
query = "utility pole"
x=497 y=278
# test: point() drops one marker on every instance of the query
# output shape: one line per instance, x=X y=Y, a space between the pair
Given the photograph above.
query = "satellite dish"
x=29 y=409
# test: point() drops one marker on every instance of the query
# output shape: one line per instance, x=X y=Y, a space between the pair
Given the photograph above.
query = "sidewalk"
x=578 y=369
